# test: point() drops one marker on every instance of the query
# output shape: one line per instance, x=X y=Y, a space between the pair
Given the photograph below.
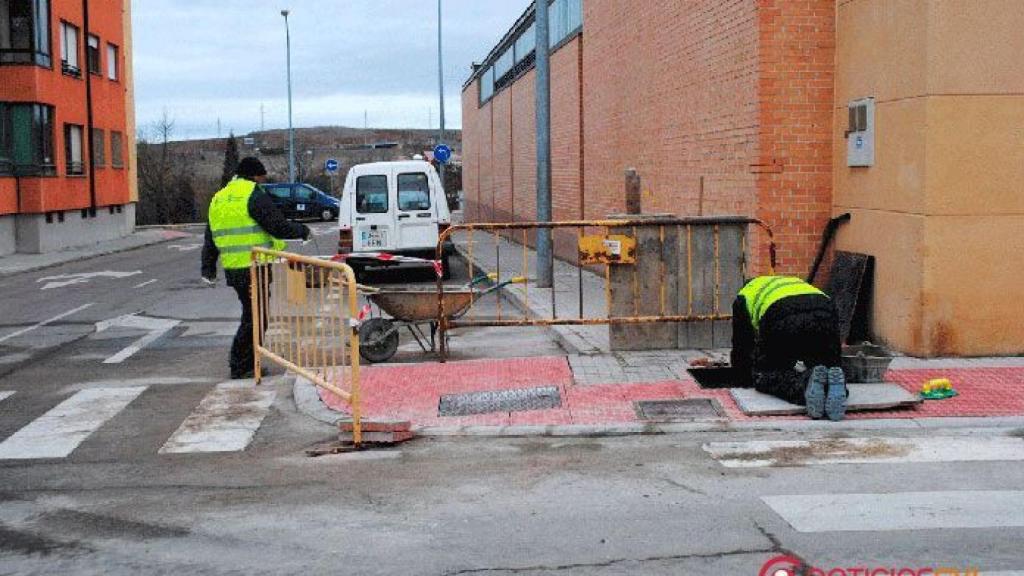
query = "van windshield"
x=372 y=194
x=413 y=192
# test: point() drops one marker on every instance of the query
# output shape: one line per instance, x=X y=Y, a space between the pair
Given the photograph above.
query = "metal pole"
x=291 y=130
x=440 y=89
x=545 y=261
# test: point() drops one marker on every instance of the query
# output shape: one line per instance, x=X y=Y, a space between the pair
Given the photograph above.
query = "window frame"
x=398 y=188
x=40 y=49
x=39 y=140
x=565 y=18
x=113 y=62
x=387 y=194
x=66 y=67
x=98 y=148
x=116 y=149
x=71 y=167
x=91 y=53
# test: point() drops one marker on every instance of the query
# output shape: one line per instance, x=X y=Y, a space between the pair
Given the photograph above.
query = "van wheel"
x=327 y=215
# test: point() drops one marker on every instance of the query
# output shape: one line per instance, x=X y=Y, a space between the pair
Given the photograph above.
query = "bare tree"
x=166 y=193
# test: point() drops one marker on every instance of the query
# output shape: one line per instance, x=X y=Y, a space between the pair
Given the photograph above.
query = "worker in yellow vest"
x=785 y=342
x=242 y=215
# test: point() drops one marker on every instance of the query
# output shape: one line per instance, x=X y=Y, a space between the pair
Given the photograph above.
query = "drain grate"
x=690 y=409
x=519 y=400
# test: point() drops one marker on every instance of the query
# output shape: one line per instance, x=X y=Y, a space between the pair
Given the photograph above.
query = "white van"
x=393 y=207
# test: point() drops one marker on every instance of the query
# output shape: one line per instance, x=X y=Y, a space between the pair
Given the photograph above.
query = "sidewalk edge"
x=84 y=257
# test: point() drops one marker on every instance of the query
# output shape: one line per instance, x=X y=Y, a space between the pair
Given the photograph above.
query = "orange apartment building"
x=905 y=113
x=67 y=161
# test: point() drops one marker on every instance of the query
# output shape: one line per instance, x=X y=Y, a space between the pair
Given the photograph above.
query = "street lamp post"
x=291 y=130
x=440 y=87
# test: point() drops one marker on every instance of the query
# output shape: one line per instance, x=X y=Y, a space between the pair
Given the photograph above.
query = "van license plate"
x=374 y=238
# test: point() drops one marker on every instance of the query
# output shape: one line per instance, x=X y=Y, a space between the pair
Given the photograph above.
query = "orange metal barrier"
x=305 y=314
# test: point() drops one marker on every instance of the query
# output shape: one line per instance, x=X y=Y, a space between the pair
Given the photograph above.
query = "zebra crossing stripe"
x=759 y=454
x=225 y=421
x=941 y=510
x=5 y=394
x=57 y=433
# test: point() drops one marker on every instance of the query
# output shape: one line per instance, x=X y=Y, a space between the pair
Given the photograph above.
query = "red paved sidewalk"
x=412 y=392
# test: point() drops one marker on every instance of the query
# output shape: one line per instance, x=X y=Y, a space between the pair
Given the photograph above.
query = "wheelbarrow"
x=415 y=308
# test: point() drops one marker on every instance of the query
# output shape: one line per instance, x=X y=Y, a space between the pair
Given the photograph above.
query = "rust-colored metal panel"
x=607 y=249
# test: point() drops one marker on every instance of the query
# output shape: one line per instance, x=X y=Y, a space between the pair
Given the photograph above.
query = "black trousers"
x=241 y=360
x=797 y=329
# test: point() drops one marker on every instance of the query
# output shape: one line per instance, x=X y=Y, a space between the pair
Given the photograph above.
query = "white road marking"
x=185 y=247
x=157 y=327
x=57 y=433
x=81 y=278
x=943 y=510
x=4 y=394
x=130 y=382
x=758 y=454
x=208 y=329
x=225 y=421
x=45 y=322
x=147 y=283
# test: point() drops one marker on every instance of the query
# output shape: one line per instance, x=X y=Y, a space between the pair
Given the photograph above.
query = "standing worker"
x=242 y=215
x=783 y=327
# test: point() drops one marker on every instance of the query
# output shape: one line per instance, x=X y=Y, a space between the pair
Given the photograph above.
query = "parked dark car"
x=302 y=201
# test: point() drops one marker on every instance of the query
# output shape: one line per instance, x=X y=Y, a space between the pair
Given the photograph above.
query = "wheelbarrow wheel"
x=378 y=340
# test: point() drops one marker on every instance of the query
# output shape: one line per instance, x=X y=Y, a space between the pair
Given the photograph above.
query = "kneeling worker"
x=242 y=215
x=783 y=327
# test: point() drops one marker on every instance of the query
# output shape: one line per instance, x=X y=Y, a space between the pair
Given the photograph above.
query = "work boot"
x=835 y=403
x=814 y=394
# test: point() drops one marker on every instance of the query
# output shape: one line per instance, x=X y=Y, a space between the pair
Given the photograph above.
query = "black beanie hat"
x=250 y=167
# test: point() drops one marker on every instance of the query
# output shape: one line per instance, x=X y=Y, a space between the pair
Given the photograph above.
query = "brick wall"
x=796 y=95
x=723 y=106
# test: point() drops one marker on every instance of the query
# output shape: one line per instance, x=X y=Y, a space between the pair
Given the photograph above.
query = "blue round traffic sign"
x=331 y=165
x=442 y=153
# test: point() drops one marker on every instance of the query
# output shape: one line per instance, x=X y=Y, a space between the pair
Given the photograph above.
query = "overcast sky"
x=201 y=60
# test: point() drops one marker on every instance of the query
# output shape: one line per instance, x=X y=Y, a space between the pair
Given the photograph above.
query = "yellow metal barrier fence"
x=305 y=314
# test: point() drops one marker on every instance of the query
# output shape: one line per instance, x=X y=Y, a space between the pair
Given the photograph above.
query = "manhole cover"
x=690 y=409
x=499 y=401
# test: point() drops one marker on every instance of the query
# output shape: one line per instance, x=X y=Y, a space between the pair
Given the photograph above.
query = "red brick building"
x=722 y=107
x=66 y=123
x=905 y=114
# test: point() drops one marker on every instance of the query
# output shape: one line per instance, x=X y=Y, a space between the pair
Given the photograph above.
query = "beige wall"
x=942 y=209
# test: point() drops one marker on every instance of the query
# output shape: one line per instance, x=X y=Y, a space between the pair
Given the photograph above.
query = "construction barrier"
x=305 y=313
x=654 y=270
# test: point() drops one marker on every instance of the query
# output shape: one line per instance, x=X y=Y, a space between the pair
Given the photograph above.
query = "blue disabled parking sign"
x=331 y=165
x=442 y=153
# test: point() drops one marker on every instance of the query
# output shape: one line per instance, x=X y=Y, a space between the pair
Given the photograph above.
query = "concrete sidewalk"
x=19 y=263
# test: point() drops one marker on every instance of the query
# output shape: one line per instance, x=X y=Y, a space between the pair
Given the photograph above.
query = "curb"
x=308 y=402
x=665 y=428
x=83 y=257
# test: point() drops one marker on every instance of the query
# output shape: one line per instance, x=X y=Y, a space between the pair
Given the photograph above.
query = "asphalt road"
x=98 y=474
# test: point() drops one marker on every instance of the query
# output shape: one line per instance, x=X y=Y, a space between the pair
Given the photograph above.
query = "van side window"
x=413 y=192
x=372 y=194
x=303 y=193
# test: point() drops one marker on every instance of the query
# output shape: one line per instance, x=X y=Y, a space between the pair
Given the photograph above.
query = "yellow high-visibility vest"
x=763 y=291
x=234 y=231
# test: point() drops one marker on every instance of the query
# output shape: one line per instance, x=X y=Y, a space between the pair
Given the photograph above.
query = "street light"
x=440 y=87
x=291 y=131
